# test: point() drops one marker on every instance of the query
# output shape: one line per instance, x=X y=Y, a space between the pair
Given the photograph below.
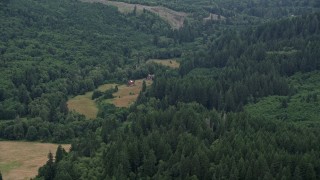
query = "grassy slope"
x=83 y=104
x=125 y=96
x=17 y=165
x=128 y=95
x=299 y=107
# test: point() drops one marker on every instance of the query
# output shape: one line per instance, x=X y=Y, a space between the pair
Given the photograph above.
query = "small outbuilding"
x=131 y=83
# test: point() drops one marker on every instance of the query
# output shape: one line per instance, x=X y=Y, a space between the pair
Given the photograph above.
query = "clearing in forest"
x=126 y=95
x=174 y=18
x=172 y=63
x=21 y=160
x=83 y=104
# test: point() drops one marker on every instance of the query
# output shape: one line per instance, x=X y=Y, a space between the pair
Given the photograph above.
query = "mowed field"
x=83 y=104
x=172 y=63
x=174 y=18
x=21 y=160
x=125 y=96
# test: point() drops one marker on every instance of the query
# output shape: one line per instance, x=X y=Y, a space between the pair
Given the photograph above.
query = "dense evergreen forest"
x=51 y=50
x=243 y=105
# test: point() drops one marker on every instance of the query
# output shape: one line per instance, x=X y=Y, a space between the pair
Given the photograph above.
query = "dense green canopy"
x=243 y=104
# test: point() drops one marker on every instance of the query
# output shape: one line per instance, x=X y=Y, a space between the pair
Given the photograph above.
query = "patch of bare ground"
x=174 y=18
x=21 y=160
x=172 y=63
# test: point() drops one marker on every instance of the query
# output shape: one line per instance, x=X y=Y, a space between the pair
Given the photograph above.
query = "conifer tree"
x=149 y=164
x=144 y=86
x=59 y=153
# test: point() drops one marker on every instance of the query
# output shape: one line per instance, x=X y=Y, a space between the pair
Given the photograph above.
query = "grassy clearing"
x=172 y=63
x=83 y=104
x=174 y=18
x=125 y=96
x=6 y=167
x=21 y=160
x=105 y=87
x=304 y=106
x=128 y=95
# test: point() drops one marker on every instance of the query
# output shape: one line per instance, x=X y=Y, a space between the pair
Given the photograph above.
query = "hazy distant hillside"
x=241 y=9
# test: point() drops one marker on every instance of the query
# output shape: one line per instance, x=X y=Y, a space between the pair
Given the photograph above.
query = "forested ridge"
x=246 y=65
x=243 y=105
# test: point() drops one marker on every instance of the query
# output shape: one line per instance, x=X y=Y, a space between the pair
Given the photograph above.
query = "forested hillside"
x=243 y=66
x=164 y=138
x=53 y=49
x=244 y=103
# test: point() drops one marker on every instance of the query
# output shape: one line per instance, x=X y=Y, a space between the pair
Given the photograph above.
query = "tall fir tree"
x=59 y=154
